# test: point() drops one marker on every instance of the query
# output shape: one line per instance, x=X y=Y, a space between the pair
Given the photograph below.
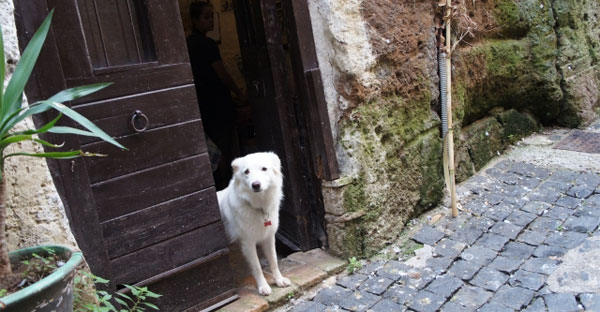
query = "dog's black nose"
x=256 y=186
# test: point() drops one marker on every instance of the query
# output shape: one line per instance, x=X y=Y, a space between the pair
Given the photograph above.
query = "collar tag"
x=267 y=223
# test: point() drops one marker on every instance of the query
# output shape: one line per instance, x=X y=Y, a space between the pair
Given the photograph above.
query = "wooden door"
x=148 y=215
x=283 y=113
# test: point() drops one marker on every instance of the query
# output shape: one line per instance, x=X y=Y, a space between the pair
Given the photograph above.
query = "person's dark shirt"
x=213 y=94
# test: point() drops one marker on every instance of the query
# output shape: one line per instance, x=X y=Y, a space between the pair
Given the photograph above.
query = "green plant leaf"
x=150 y=305
x=85 y=123
x=121 y=301
x=42 y=129
x=77 y=92
x=55 y=155
x=46 y=143
x=153 y=295
x=15 y=87
x=14 y=139
x=9 y=122
x=71 y=130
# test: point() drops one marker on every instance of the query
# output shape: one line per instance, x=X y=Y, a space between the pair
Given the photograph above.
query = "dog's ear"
x=276 y=163
x=235 y=165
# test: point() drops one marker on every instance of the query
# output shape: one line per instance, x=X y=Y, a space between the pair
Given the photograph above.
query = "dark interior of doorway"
x=225 y=34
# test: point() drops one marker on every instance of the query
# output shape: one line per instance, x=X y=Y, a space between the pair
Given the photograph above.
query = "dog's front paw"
x=264 y=289
x=283 y=282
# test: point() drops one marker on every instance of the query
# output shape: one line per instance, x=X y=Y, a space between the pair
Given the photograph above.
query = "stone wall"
x=35 y=214
x=530 y=63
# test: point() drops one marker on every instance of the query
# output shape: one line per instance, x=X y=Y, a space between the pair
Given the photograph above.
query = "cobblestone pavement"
x=527 y=239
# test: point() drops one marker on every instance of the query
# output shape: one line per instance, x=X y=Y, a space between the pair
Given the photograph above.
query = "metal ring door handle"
x=136 y=115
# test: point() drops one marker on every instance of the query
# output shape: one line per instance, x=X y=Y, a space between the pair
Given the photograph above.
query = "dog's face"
x=257 y=172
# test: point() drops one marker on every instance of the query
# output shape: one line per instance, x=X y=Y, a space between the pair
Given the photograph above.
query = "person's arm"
x=219 y=68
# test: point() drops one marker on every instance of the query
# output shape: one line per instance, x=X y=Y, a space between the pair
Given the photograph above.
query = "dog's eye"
x=264 y=168
x=247 y=171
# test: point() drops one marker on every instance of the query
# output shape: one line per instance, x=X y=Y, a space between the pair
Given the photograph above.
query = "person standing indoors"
x=214 y=86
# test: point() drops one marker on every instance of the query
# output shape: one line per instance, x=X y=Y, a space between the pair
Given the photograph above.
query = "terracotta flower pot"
x=52 y=293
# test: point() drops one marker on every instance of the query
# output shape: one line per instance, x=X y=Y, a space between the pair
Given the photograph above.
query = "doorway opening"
x=268 y=113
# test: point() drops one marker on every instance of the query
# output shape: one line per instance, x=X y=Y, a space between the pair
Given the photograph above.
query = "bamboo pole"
x=450 y=134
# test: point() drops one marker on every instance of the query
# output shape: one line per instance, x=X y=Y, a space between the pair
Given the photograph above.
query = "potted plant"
x=34 y=298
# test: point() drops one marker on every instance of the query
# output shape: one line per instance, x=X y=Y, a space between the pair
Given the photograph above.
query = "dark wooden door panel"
x=146 y=150
x=163 y=107
x=155 y=224
x=127 y=81
x=172 y=253
x=142 y=189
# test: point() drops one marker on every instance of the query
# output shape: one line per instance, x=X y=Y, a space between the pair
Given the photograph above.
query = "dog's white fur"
x=252 y=198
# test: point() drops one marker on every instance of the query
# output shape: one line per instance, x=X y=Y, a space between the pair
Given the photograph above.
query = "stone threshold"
x=304 y=269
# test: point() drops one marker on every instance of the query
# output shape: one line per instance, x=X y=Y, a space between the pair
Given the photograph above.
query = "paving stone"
x=352 y=281
x=425 y=301
x=544 y=224
x=444 y=285
x=508 y=178
x=372 y=267
x=506 y=229
x=419 y=278
x=564 y=176
x=393 y=270
x=480 y=223
x=558 y=213
x=568 y=202
x=529 y=170
x=477 y=206
x=591 y=302
x=513 y=297
x=540 y=265
x=505 y=264
x=452 y=306
x=450 y=225
x=386 y=305
x=537 y=305
x=334 y=295
x=561 y=303
x=466 y=235
x=308 y=306
x=376 y=284
x=464 y=270
x=399 y=293
x=588 y=211
x=532 y=237
x=521 y=218
x=498 y=213
x=517 y=250
x=582 y=224
x=530 y=183
x=561 y=187
x=448 y=248
x=544 y=291
x=592 y=201
x=504 y=164
x=588 y=179
x=428 y=235
x=527 y=279
x=544 y=195
x=536 y=208
x=566 y=239
x=545 y=251
x=492 y=241
x=580 y=191
x=479 y=255
x=494 y=307
x=345 y=298
x=471 y=297
x=439 y=264
x=489 y=279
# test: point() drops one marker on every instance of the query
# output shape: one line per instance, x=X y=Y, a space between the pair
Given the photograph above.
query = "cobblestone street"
x=526 y=239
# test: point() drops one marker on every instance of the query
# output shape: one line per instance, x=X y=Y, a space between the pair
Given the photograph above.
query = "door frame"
x=296 y=126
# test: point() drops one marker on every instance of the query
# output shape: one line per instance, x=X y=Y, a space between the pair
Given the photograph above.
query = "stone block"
x=248 y=302
x=428 y=235
x=561 y=303
x=517 y=250
x=471 y=297
x=490 y=279
x=352 y=281
x=425 y=301
x=513 y=297
x=444 y=285
x=306 y=275
x=464 y=270
x=376 y=284
x=527 y=280
x=308 y=306
x=319 y=258
x=504 y=264
x=492 y=241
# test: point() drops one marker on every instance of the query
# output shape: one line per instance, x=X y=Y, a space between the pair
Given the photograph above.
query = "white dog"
x=250 y=210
